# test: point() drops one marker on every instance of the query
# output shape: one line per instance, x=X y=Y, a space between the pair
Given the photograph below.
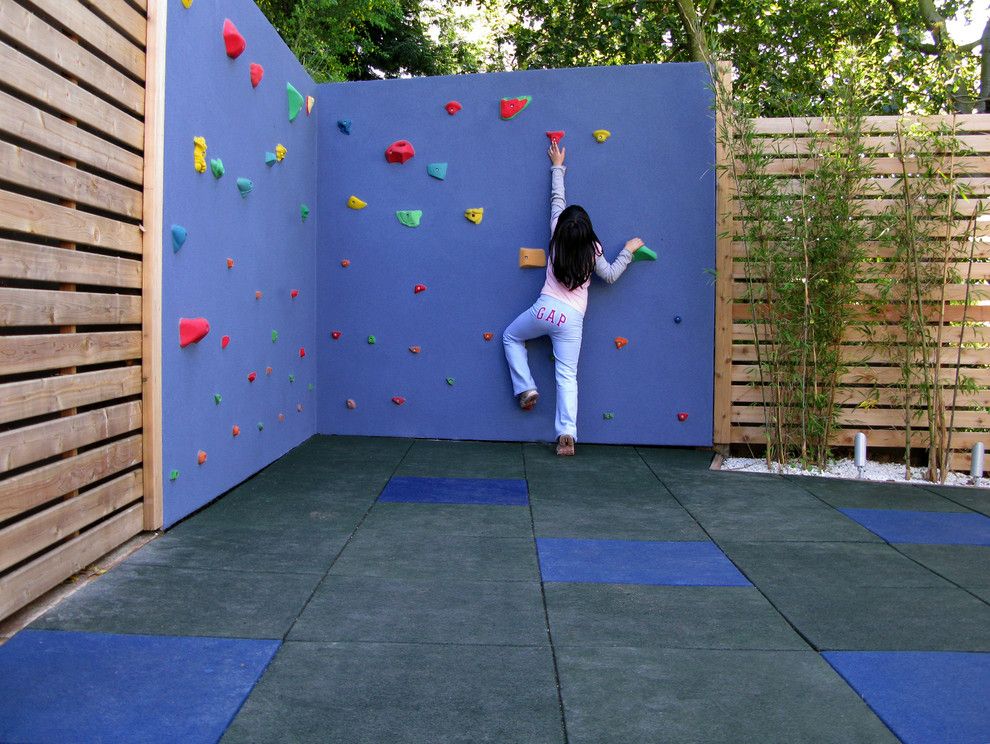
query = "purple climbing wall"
x=210 y=95
x=653 y=177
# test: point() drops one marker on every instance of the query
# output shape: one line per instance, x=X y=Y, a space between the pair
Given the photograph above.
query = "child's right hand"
x=556 y=154
x=634 y=245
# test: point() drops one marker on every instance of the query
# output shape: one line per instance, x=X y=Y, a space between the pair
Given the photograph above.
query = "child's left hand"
x=634 y=245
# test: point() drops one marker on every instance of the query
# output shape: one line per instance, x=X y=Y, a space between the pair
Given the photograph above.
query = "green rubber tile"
x=355 y=608
x=303 y=510
x=675 y=696
x=449 y=519
x=669 y=459
x=826 y=564
x=977 y=499
x=365 y=693
x=965 y=565
x=614 y=519
x=591 y=460
x=850 y=494
x=865 y=618
x=772 y=516
x=666 y=617
x=321 y=449
x=714 y=485
x=450 y=459
x=170 y=600
x=589 y=492
x=434 y=556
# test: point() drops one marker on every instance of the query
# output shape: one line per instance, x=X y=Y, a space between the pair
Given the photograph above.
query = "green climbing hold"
x=216 y=165
x=296 y=101
x=173 y=475
x=292 y=378
x=644 y=254
x=437 y=170
x=245 y=186
x=261 y=426
x=410 y=217
x=270 y=159
x=608 y=415
x=217 y=398
x=304 y=211
x=274 y=336
x=371 y=339
x=450 y=381
x=310 y=387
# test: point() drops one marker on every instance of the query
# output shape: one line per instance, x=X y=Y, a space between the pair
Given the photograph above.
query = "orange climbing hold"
x=294 y=293
x=488 y=336
x=201 y=457
x=414 y=349
x=192 y=330
x=399 y=151
x=257 y=295
x=345 y=263
x=620 y=342
x=235 y=430
x=281 y=417
x=232 y=39
x=268 y=371
x=334 y=335
x=257 y=72
x=224 y=342
x=252 y=376
x=230 y=263
x=302 y=352
x=419 y=288
x=398 y=400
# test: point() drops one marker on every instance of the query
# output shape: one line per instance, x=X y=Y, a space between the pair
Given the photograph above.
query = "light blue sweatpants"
x=563 y=324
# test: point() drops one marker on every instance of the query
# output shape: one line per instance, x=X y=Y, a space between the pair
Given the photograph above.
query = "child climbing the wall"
x=575 y=253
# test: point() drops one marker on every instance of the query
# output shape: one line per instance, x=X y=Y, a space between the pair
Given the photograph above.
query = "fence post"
x=723 y=271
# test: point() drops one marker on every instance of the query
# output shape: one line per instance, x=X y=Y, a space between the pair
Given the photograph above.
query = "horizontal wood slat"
x=870 y=418
x=28 y=536
x=952 y=334
x=875 y=355
x=870 y=375
x=68 y=56
x=123 y=16
x=30 y=398
x=29 y=581
x=44 y=263
x=41 y=129
x=20 y=354
x=34 y=80
x=41 y=307
x=26 y=491
x=30 y=170
x=19 y=447
x=49 y=220
x=779 y=126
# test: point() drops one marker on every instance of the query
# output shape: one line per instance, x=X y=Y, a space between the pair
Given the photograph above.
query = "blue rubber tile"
x=922 y=696
x=636 y=562
x=489 y=491
x=94 y=687
x=924 y=528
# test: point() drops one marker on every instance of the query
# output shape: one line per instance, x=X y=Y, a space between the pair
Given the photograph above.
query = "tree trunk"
x=696 y=34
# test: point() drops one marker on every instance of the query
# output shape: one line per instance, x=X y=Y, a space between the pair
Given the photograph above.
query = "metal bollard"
x=976 y=463
x=859 y=452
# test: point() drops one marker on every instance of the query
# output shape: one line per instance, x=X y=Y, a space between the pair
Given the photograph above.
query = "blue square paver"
x=483 y=491
x=924 y=528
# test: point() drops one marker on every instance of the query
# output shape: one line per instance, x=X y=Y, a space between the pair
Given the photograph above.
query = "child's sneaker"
x=528 y=399
x=565 y=445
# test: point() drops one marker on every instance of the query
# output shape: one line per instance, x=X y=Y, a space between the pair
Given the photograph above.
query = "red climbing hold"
x=235 y=430
x=488 y=336
x=620 y=342
x=302 y=351
x=201 y=457
x=224 y=342
x=555 y=137
x=398 y=400
x=294 y=293
x=682 y=416
x=257 y=72
x=509 y=107
x=334 y=335
x=419 y=288
x=232 y=39
x=414 y=349
x=345 y=263
x=230 y=263
x=281 y=417
x=257 y=295
x=399 y=151
x=252 y=376
x=350 y=403
x=453 y=107
x=192 y=330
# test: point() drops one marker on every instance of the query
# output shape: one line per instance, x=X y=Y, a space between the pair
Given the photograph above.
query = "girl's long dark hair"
x=573 y=247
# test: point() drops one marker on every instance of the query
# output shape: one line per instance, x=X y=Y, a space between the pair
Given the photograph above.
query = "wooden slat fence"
x=868 y=396
x=80 y=106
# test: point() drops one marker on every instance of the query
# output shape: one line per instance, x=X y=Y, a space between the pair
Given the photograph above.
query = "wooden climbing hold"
x=230 y=263
x=216 y=167
x=682 y=417
x=334 y=335
x=268 y=371
x=294 y=293
x=452 y=107
x=303 y=211
x=419 y=288
x=344 y=125
x=511 y=107
x=199 y=154
x=217 y=398
x=371 y=340
x=235 y=430
x=488 y=336
x=398 y=400
x=555 y=137
x=601 y=135
x=192 y=330
x=310 y=102
x=224 y=342
x=270 y=159
x=437 y=170
x=399 y=151
x=295 y=100
x=345 y=263
x=475 y=214
x=232 y=39
x=245 y=186
x=257 y=72
x=257 y=295
x=354 y=203
x=644 y=254
x=532 y=258
x=302 y=352
x=201 y=457
x=620 y=342
x=179 y=235
x=280 y=152
x=414 y=349
x=252 y=376
x=410 y=217
x=350 y=403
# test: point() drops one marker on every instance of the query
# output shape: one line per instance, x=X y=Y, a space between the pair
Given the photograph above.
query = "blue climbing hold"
x=344 y=125
x=678 y=318
x=437 y=170
x=245 y=186
x=270 y=159
x=179 y=235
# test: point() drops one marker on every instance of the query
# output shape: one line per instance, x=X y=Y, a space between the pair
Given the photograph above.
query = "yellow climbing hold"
x=186 y=3
x=199 y=154
x=354 y=203
x=601 y=135
x=475 y=215
x=280 y=152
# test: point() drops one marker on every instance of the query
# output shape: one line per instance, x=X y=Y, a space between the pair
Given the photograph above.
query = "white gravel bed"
x=874 y=471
